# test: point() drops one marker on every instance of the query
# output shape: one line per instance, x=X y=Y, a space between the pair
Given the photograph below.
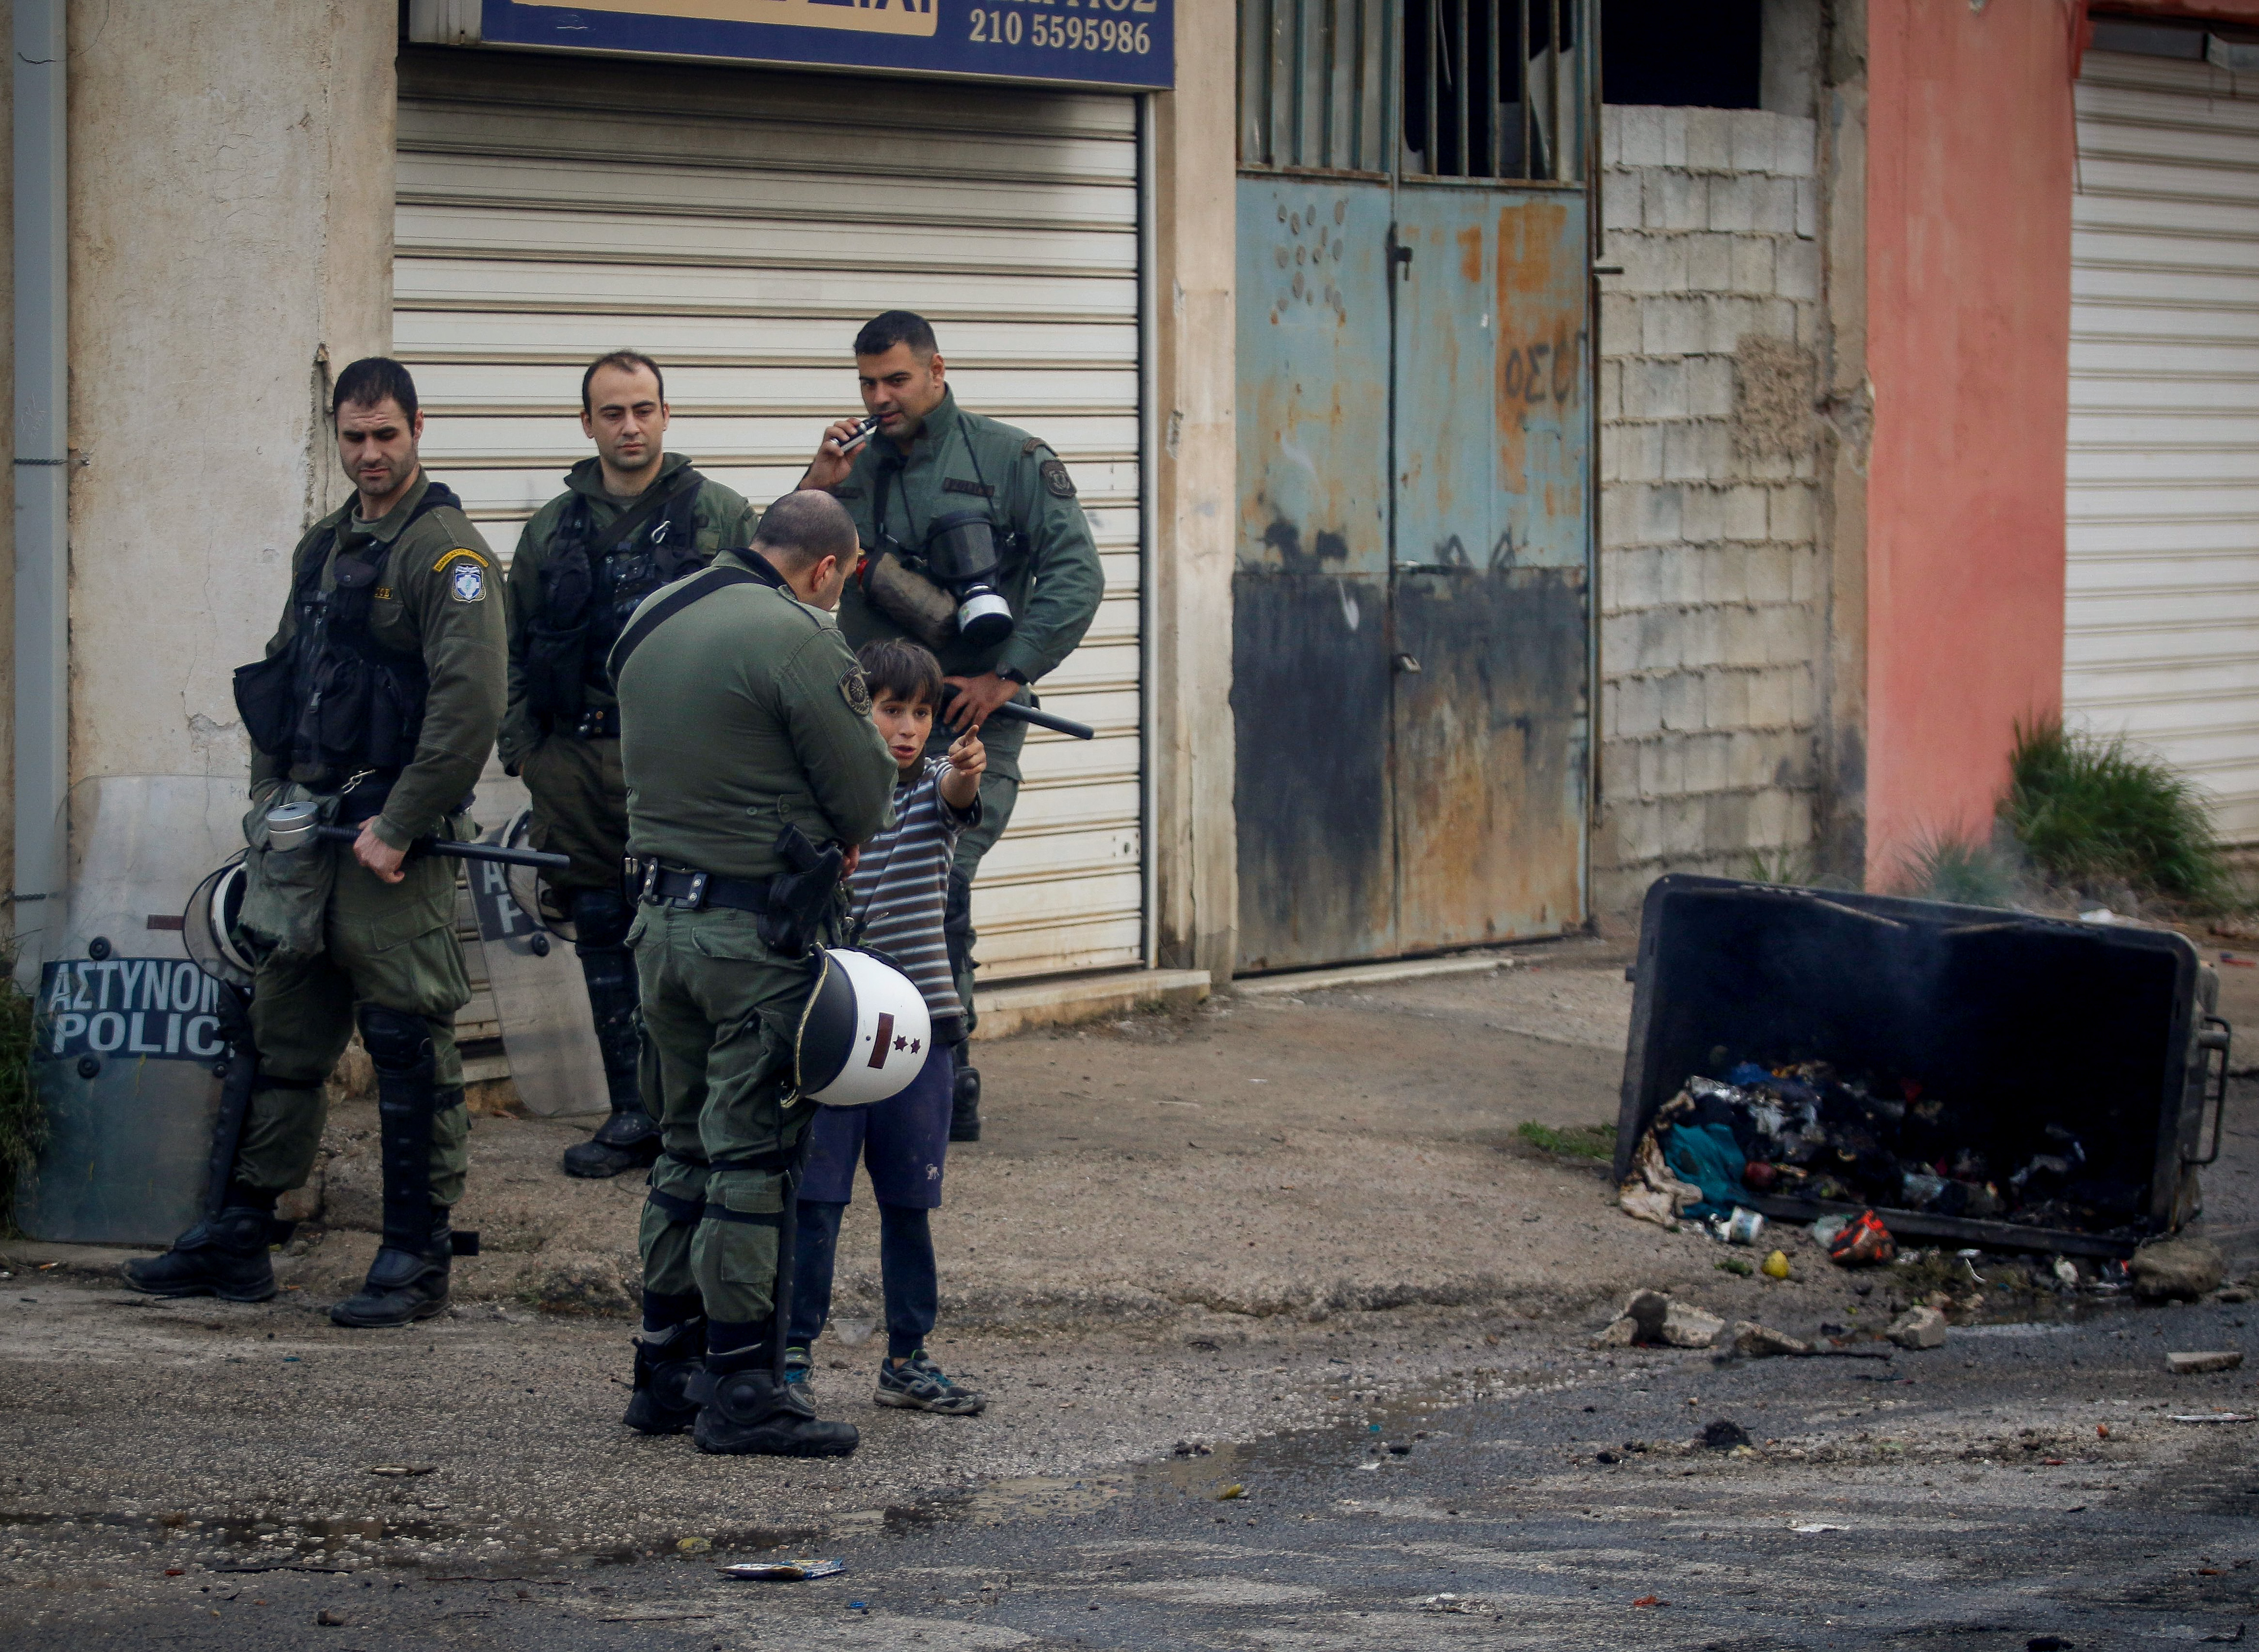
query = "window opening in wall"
x=1313 y=77
x=1672 y=52
x=1490 y=89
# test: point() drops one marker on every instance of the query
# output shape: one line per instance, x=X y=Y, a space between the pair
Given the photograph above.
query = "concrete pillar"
x=1195 y=165
x=230 y=248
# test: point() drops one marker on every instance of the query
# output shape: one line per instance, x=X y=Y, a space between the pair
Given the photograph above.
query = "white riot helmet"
x=864 y=1032
x=209 y=927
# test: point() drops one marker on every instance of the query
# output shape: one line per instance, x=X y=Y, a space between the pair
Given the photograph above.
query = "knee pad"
x=397 y=1041
x=600 y=918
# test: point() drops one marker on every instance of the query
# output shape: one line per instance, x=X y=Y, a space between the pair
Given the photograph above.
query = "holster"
x=801 y=900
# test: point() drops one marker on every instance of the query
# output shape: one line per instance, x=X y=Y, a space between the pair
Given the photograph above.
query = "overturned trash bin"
x=1968 y=1074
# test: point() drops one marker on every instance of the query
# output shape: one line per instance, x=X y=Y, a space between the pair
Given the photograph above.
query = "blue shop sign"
x=1122 y=43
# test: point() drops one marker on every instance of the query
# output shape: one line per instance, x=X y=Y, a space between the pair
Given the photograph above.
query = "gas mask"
x=961 y=558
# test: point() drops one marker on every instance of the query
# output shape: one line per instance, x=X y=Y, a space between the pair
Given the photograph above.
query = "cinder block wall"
x=1711 y=599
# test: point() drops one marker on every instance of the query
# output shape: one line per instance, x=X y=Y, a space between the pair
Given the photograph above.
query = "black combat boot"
x=667 y=1367
x=223 y=1255
x=965 y=1103
x=408 y=1281
x=629 y=1140
x=751 y=1411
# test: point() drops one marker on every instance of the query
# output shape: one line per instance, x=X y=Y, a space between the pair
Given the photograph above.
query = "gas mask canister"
x=961 y=558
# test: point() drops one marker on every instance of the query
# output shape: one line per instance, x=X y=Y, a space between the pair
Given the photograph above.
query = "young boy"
x=897 y=890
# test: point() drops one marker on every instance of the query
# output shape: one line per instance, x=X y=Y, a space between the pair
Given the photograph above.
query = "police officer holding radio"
x=976 y=546
x=377 y=701
x=631 y=519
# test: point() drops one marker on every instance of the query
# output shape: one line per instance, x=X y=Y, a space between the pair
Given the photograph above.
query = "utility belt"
x=792 y=911
x=655 y=883
x=597 y=722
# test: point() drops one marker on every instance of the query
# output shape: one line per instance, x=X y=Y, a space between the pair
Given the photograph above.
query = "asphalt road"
x=1962 y=1496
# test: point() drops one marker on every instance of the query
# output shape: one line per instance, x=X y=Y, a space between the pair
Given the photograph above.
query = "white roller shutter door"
x=739 y=226
x=2161 y=619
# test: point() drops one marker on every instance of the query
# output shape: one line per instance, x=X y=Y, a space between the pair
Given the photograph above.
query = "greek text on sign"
x=164 y=1008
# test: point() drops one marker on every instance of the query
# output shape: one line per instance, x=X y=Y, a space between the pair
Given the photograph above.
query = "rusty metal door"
x=1411 y=658
x=1489 y=594
x=1310 y=645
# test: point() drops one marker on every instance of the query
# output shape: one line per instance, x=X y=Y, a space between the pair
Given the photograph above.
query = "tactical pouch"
x=286 y=894
x=263 y=700
x=799 y=901
x=909 y=599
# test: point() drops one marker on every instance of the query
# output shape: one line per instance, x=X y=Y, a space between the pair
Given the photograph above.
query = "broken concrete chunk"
x=2196 y=1365
x=1687 y=1325
x=1753 y=1341
x=1620 y=1334
x=1646 y=1309
x=2176 y=1269
x=1918 y=1328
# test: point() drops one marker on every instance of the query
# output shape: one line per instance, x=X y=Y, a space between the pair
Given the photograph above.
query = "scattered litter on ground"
x=1810 y=1526
x=1741 y=1228
x=1466 y=1606
x=783 y=1571
x=1734 y=1265
x=1862 y=1242
x=1776 y=1266
x=2219 y=1416
x=2195 y=1364
x=1650 y=1600
x=1190 y=1448
x=1918 y=1328
x=1236 y=1490
x=403 y=1470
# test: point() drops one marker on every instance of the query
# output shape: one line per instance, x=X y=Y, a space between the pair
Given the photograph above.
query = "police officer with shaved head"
x=977 y=547
x=632 y=518
x=377 y=701
x=753 y=771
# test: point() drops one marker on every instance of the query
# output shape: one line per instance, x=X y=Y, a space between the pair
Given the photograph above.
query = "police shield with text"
x=632 y=518
x=376 y=704
x=975 y=546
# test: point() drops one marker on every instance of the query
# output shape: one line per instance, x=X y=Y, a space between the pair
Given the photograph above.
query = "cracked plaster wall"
x=231 y=217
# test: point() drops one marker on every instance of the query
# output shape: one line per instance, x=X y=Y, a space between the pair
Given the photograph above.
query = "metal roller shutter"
x=738 y=224
x=2162 y=618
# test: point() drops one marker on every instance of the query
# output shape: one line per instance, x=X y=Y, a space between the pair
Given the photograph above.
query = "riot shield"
x=134 y=1039
x=540 y=997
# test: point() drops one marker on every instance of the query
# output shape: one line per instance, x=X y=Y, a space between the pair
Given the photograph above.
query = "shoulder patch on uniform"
x=468 y=582
x=1057 y=480
x=1033 y=445
x=460 y=550
x=959 y=485
x=855 y=689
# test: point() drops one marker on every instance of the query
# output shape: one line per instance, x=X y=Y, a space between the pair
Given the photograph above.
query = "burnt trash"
x=1723 y=1434
x=1941 y=1072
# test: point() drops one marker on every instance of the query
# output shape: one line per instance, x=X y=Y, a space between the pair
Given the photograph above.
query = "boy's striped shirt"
x=901 y=889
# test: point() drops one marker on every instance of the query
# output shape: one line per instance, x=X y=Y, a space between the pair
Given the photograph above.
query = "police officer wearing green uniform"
x=753 y=769
x=631 y=519
x=937 y=493
x=378 y=700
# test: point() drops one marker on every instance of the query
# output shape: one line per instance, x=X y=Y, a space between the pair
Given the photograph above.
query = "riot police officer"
x=754 y=771
x=976 y=545
x=377 y=699
x=631 y=519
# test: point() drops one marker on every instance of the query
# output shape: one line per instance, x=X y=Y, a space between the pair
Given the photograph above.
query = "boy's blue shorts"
x=902 y=1140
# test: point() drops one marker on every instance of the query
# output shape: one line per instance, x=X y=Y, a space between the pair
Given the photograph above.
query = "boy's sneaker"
x=919 y=1385
x=800 y=1370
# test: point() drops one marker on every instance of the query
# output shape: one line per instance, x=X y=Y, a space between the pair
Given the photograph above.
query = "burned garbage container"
x=1972 y=1074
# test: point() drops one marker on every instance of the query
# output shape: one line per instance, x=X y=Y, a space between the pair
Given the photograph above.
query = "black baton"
x=1013 y=711
x=449 y=846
